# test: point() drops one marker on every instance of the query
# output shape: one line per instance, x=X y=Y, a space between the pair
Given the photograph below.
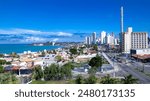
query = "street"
x=133 y=68
x=143 y=79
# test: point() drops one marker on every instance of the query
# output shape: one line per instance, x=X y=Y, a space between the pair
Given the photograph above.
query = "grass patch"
x=79 y=64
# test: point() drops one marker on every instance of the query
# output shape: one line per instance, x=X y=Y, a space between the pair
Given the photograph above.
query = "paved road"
x=140 y=66
x=141 y=77
x=124 y=69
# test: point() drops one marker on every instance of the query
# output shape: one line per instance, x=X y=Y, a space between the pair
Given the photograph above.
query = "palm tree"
x=79 y=80
x=108 y=80
x=129 y=80
x=91 y=80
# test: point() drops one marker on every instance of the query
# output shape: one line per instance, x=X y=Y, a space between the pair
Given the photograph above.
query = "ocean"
x=20 y=48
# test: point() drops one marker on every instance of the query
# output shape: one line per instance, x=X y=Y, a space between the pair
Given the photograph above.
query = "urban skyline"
x=116 y=48
x=60 y=20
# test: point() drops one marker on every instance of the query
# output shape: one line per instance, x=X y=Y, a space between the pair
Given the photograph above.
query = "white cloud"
x=56 y=39
x=34 y=32
x=33 y=39
x=21 y=31
x=28 y=31
x=7 y=32
x=64 y=34
x=18 y=35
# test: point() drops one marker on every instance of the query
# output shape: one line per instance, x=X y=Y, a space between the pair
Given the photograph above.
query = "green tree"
x=54 y=72
x=8 y=63
x=62 y=74
x=14 y=55
x=73 y=51
x=96 y=62
x=92 y=71
x=8 y=78
x=43 y=53
x=37 y=73
x=66 y=71
x=67 y=68
x=69 y=64
x=2 y=62
x=4 y=78
x=91 y=80
x=1 y=55
x=51 y=72
x=58 y=58
x=108 y=80
x=80 y=50
x=129 y=80
x=95 y=47
x=14 y=80
x=79 y=80
x=1 y=69
x=47 y=72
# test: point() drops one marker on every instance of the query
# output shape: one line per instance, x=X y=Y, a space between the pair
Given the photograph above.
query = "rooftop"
x=142 y=57
x=140 y=49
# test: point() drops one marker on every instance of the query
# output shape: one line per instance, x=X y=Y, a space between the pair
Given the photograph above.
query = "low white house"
x=45 y=61
x=84 y=58
x=145 y=51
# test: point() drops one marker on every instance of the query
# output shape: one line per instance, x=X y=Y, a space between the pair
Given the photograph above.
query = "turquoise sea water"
x=20 y=48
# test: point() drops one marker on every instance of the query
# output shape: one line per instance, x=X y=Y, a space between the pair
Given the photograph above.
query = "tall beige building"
x=134 y=40
x=139 y=40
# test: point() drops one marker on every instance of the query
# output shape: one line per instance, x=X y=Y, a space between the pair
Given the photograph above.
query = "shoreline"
x=28 y=48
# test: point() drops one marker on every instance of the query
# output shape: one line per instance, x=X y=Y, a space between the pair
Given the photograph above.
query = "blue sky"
x=27 y=21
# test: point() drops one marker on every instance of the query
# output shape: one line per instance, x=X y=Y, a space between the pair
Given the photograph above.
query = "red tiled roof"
x=145 y=56
x=15 y=67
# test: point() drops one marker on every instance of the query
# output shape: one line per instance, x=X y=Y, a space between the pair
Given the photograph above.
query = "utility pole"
x=142 y=66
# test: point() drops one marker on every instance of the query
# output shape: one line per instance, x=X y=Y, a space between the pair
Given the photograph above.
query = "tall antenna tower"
x=121 y=19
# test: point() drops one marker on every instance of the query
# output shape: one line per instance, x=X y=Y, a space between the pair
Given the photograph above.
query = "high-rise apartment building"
x=131 y=40
x=126 y=41
x=91 y=39
x=139 y=40
x=94 y=38
x=88 y=40
x=116 y=41
x=103 y=37
x=110 y=39
x=134 y=40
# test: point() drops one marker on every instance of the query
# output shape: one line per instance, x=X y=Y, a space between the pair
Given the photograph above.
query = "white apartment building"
x=132 y=40
x=91 y=39
x=126 y=40
x=103 y=37
x=110 y=40
x=86 y=40
x=116 y=41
